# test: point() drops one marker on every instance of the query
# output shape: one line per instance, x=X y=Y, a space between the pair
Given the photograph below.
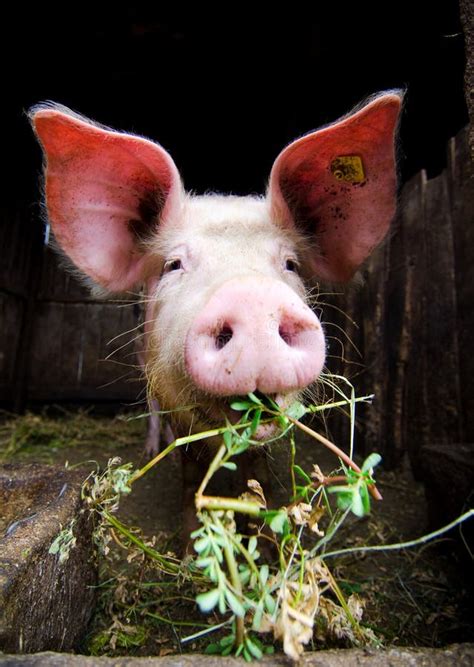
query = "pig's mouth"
x=216 y=412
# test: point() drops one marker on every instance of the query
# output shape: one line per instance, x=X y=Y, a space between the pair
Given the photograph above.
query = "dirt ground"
x=417 y=597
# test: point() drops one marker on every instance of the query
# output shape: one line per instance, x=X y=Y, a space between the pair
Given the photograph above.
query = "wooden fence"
x=414 y=312
x=415 y=315
x=55 y=338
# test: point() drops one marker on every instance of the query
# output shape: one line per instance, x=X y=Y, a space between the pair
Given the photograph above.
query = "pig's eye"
x=172 y=265
x=291 y=265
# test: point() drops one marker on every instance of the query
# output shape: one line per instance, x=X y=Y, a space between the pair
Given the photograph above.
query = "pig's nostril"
x=223 y=337
x=286 y=335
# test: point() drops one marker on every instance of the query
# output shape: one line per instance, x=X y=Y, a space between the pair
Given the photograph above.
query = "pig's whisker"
x=138 y=326
x=117 y=349
x=121 y=363
x=326 y=304
x=345 y=334
x=115 y=380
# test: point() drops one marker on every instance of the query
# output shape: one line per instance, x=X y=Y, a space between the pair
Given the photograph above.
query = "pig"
x=225 y=276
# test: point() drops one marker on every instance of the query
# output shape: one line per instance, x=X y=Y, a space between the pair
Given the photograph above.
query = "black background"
x=224 y=93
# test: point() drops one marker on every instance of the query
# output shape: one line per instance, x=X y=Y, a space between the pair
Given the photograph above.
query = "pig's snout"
x=254 y=336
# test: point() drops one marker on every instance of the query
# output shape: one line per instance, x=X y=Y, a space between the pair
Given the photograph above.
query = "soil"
x=416 y=597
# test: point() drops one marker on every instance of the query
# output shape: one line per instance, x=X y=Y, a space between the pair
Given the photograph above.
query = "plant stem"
x=186 y=440
x=169 y=567
x=403 y=545
x=235 y=504
x=292 y=463
x=237 y=584
x=338 y=404
x=153 y=462
x=215 y=464
x=375 y=493
x=342 y=601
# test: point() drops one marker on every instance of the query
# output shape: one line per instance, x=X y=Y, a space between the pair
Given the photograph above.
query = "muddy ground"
x=417 y=597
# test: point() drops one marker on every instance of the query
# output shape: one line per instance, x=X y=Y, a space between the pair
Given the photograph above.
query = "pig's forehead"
x=225 y=218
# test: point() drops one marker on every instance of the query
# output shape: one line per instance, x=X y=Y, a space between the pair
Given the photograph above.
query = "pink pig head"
x=226 y=311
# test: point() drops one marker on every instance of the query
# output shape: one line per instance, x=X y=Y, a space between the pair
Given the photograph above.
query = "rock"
x=45 y=604
x=459 y=655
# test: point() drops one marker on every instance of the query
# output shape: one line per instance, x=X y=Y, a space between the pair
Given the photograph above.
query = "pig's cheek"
x=166 y=353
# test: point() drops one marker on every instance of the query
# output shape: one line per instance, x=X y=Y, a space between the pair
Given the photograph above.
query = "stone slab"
x=45 y=604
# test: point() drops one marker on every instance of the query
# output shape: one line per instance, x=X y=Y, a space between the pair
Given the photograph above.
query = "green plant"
x=293 y=597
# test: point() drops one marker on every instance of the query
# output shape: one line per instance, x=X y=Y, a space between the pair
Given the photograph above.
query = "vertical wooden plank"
x=117 y=350
x=442 y=369
x=68 y=355
x=374 y=335
x=462 y=211
x=18 y=243
x=398 y=333
x=30 y=272
x=11 y=316
x=57 y=283
x=343 y=338
x=415 y=399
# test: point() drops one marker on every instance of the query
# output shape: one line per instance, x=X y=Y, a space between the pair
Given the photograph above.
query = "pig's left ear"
x=338 y=186
x=105 y=193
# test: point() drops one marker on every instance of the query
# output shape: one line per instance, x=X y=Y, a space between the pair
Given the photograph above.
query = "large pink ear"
x=105 y=191
x=338 y=186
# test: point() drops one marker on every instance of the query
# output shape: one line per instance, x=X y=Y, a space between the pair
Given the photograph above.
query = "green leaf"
x=283 y=422
x=228 y=640
x=247 y=655
x=344 y=498
x=201 y=544
x=212 y=649
x=239 y=650
x=279 y=522
x=252 y=544
x=230 y=465
x=370 y=462
x=299 y=471
x=257 y=641
x=198 y=532
x=264 y=571
x=256 y=420
x=227 y=436
x=253 y=648
x=270 y=603
x=296 y=410
x=207 y=601
x=364 y=495
x=241 y=405
x=357 y=506
x=222 y=602
x=257 y=618
x=339 y=489
x=234 y=603
x=244 y=576
x=254 y=399
x=54 y=548
x=241 y=445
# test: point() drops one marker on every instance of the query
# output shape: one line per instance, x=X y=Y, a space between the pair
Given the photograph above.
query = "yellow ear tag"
x=348 y=168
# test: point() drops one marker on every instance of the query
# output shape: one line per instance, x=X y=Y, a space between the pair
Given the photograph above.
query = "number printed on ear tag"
x=348 y=168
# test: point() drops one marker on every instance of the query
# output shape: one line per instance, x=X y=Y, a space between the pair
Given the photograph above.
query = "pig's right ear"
x=338 y=186
x=105 y=192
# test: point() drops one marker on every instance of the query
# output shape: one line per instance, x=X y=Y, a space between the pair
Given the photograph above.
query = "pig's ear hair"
x=105 y=193
x=338 y=186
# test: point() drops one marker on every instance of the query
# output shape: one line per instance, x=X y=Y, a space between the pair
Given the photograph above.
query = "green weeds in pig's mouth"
x=269 y=582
